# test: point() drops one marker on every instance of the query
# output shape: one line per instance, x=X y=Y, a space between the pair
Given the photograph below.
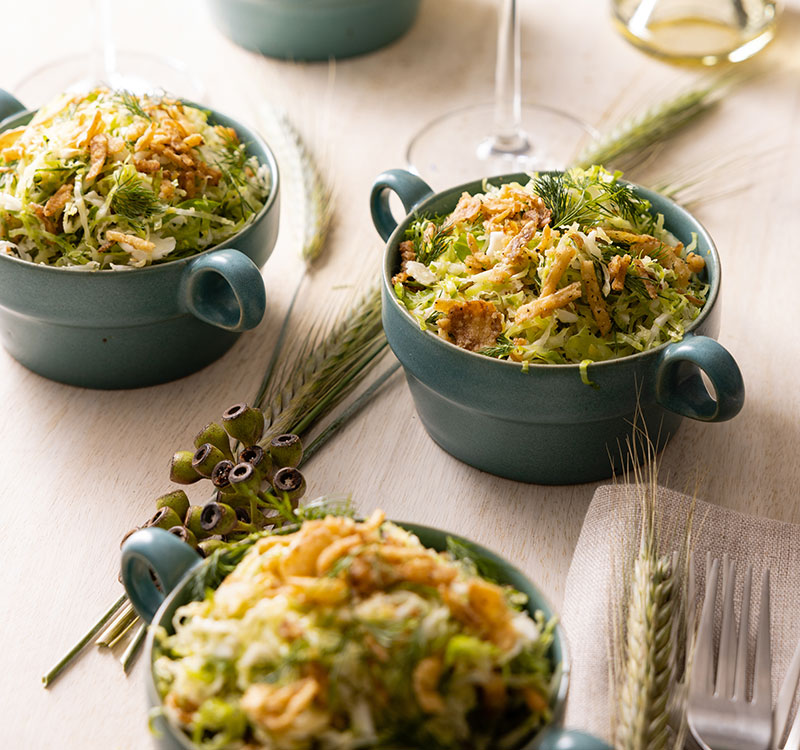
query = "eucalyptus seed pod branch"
x=132 y=649
x=116 y=626
x=58 y=669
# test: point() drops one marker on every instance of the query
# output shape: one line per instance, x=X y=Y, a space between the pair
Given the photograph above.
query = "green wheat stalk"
x=634 y=135
x=647 y=676
x=299 y=162
x=650 y=658
x=325 y=369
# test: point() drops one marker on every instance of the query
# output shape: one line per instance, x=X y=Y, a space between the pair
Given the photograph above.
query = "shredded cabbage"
x=349 y=635
x=569 y=268
x=154 y=170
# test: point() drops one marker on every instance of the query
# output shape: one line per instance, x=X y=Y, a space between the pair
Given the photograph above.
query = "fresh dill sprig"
x=235 y=181
x=433 y=317
x=234 y=157
x=468 y=556
x=219 y=565
x=134 y=200
x=427 y=250
x=553 y=188
x=588 y=198
x=131 y=103
x=635 y=285
x=502 y=348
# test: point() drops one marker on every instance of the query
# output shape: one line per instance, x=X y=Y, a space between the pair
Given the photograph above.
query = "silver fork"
x=719 y=714
x=783 y=707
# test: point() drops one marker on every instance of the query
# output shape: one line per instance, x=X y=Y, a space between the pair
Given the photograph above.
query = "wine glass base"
x=137 y=72
x=454 y=148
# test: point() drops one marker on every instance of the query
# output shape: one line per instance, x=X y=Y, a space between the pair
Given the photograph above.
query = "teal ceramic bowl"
x=155 y=553
x=313 y=29
x=138 y=327
x=545 y=425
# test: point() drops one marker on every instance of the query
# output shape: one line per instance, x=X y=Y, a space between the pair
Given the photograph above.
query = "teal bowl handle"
x=555 y=738
x=9 y=105
x=156 y=552
x=411 y=189
x=224 y=288
x=680 y=388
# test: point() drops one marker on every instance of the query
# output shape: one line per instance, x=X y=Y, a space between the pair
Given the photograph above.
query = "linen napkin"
x=595 y=584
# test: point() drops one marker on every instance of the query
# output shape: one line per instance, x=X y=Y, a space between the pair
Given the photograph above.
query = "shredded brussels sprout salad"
x=108 y=179
x=347 y=634
x=572 y=267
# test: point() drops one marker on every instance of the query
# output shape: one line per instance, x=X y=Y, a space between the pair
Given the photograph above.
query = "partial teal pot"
x=157 y=553
x=137 y=327
x=314 y=29
x=545 y=425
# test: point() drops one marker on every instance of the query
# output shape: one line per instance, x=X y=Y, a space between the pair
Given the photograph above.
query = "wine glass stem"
x=104 y=52
x=508 y=136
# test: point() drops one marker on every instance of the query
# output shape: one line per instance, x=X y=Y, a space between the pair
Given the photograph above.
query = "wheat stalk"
x=650 y=658
x=633 y=136
x=302 y=173
x=644 y=696
x=326 y=369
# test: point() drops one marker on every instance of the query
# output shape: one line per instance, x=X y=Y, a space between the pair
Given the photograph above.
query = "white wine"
x=705 y=32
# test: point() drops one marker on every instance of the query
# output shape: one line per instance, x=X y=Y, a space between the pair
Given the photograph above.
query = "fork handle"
x=554 y=738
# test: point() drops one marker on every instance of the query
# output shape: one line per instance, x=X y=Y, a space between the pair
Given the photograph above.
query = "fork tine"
x=726 y=660
x=703 y=667
x=793 y=740
x=785 y=699
x=762 y=682
x=740 y=684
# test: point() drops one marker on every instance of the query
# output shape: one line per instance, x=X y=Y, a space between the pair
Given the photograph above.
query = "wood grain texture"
x=81 y=467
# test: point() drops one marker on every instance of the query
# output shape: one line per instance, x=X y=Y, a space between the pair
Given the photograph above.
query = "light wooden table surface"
x=81 y=467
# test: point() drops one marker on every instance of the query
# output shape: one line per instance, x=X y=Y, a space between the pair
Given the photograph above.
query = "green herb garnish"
x=134 y=200
x=131 y=103
x=587 y=197
x=502 y=348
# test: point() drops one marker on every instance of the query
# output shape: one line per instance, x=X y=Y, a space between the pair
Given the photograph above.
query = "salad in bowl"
x=109 y=179
x=348 y=634
x=569 y=267
x=544 y=320
x=132 y=234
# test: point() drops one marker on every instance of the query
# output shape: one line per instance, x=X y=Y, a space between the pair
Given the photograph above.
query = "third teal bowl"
x=545 y=425
x=313 y=29
x=156 y=554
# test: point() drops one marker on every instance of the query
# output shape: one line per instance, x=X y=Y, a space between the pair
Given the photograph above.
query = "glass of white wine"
x=705 y=32
x=506 y=136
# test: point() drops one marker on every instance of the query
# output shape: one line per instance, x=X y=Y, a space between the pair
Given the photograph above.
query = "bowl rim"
x=394 y=239
x=81 y=272
x=559 y=693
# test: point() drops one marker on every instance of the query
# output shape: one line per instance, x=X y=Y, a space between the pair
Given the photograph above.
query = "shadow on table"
x=748 y=464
